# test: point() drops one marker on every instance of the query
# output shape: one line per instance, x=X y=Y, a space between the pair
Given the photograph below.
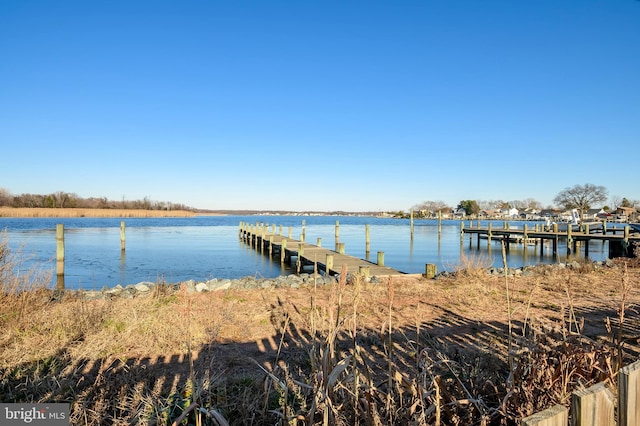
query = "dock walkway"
x=620 y=240
x=328 y=261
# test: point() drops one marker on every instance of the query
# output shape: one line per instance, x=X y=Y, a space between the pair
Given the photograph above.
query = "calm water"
x=201 y=248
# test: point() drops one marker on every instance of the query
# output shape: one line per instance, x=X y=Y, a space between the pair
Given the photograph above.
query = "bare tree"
x=532 y=203
x=581 y=197
x=5 y=197
x=427 y=207
x=615 y=201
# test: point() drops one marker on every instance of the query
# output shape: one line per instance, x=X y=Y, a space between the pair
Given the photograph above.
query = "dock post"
x=411 y=222
x=290 y=233
x=337 y=234
x=122 y=237
x=604 y=227
x=271 y=245
x=319 y=242
x=439 y=223
x=569 y=237
x=380 y=258
x=328 y=266
x=461 y=233
x=430 y=270
x=280 y=230
x=300 y=254
x=283 y=250
x=304 y=230
x=367 y=239
x=525 y=235
x=60 y=249
x=625 y=240
x=341 y=248
x=489 y=232
x=364 y=270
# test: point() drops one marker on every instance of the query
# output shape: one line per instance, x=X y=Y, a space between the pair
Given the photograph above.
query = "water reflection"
x=205 y=248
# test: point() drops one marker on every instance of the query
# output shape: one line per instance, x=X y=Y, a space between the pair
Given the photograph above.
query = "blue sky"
x=319 y=105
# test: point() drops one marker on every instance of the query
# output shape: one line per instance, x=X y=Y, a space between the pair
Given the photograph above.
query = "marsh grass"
x=423 y=352
x=84 y=212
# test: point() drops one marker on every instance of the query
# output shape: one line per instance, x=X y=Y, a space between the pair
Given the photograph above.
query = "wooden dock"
x=620 y=239
x=330 y=262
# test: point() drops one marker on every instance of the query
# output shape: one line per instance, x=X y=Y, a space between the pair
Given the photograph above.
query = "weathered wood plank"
x=594 y=405
x=629 y=395
x=557 y=415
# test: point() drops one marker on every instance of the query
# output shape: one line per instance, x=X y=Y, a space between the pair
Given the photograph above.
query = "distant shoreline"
x=35 y=212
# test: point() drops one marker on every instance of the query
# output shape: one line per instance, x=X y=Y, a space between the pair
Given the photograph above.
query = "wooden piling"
x=364 y=270
x=380 y=258
x=328 y=264
x=60 y=249
x=411 y=222
x=304 y=230
x=283 y=250
x=430 y=270
x=337 y=233
x=319 y=242
x=122 y=237
x=341 y=248
x=300 y=254
x=490 y=228
x=367 y=239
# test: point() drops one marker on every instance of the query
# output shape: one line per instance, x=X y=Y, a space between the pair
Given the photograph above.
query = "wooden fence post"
x=558 y=415
x=592 y=406
x=629 y=395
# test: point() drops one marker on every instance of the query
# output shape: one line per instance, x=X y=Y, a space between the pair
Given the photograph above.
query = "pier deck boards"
x=618 y=237
x=311 y=253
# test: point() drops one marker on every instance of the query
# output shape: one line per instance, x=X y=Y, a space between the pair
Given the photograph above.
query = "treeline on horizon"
x=63 y=199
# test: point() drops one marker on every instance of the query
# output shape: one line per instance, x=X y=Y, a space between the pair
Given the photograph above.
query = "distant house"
x=488 y=214
x=626 y=213
x=530 y=214
x=510 y=213
x=459 y=213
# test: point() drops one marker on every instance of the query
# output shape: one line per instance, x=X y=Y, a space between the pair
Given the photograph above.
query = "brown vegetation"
x=89 y=212
x=469 y=349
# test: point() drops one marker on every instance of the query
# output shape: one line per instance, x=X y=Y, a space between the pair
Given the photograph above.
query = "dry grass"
x=69 y=212
x=406 y=351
